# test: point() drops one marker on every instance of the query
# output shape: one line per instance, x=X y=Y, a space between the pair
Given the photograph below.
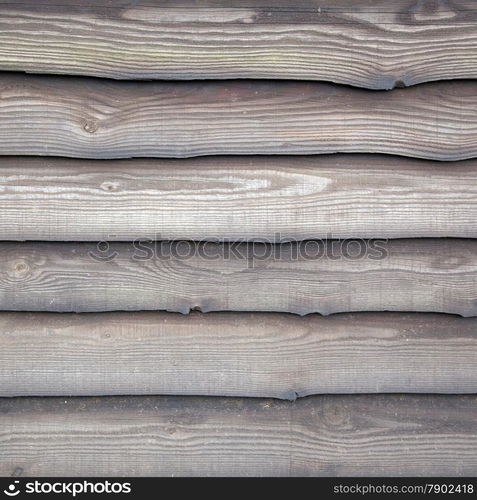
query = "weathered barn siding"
x=422 y=275
x=230 y=198
x=390 y=338
x=235 y=354
x=192 y=436
x=94 y=118
x=375 y=44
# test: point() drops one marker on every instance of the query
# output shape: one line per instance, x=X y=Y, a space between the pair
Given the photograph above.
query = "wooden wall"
x=415 y=275
x=367 y=43
x=269 y=165
x=378 y=435
x=237 y=198
x=96 y=118
x=235 y=354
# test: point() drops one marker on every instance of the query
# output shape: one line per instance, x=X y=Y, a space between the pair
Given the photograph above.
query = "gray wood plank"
x=370 y=435
x=95 y=118
x=415 y=275
x=235 y=354
x=236 y=198
x=370 y=43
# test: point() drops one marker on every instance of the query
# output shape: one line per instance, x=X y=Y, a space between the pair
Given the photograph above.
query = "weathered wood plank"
x=375 y=44
x=371 y=435
x=235 y=354
x=236 y=198
x=94 y=118
x=422 y=275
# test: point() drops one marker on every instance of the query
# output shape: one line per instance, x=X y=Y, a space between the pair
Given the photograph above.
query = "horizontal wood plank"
x=94 y=118
x=370 y=43
x=415 y=275
x=235 y=354
x=367 y=435
x=236 y=198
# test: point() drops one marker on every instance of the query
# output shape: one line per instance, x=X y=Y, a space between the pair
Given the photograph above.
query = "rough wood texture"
x=423 y=275
x=370 y=43
x=93 y=118
x=191 y=436
x=236 y=198
x=235 y=354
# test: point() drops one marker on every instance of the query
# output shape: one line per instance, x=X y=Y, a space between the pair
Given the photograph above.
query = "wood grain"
x=416 y=275
x=236 y=198
x=370 y=43
x=368 y=435
x=235 y=354
x=94 y=118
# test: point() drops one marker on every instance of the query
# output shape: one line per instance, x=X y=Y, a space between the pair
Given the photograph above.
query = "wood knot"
x=90 y=126
x=21 y=269
x=336 y=416
x=399 y=84
x=110 y=186
x=432 y=10
x=17 y=472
